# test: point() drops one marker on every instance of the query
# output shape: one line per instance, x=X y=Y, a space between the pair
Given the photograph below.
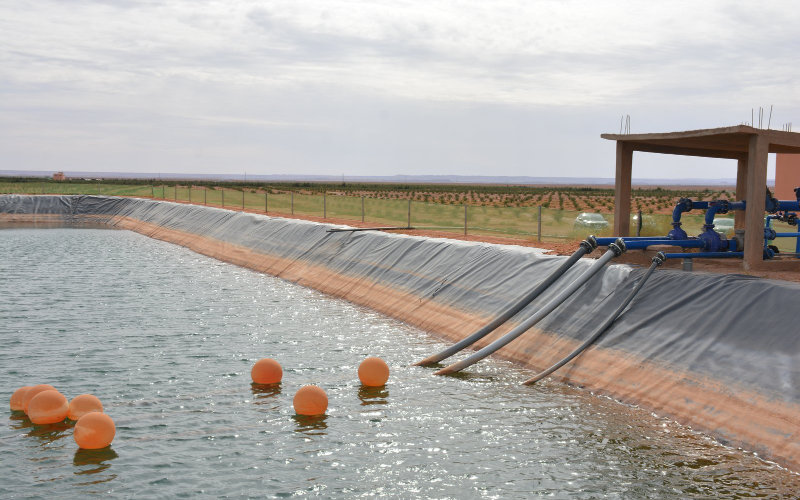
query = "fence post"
x=266 y=203
x=292 y=202
x=205 y=196
x=639 y=225
x=242 y=199
x=465 y=219
x=190 y=192
x=152 y=191
x=409 y=213
x=223 y=197
x=324 y=205
x=539 y=230
x=362 y=211
x=176 y=191
x=163 y=193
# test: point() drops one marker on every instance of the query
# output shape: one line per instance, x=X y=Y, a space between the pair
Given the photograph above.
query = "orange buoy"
x=266 y=371
x=83 y=404
x=373 y=372
x=18 y=397
x=94 y=430
x=36 y=389
x=310 y=400
x=48 y=407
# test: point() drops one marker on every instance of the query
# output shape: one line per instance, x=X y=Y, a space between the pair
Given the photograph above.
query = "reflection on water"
x=91 y=464
x=50 y=432
x=19 y=420
x=311 y=425
x=94 y=457
x=265 y=391
x=373 y=395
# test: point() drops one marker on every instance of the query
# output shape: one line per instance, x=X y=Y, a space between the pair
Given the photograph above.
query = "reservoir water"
x=166 y=339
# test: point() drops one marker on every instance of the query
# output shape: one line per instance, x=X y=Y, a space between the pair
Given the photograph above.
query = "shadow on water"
x=471 y=377
x=373 y=395
x=313 y=425
x=432 y=366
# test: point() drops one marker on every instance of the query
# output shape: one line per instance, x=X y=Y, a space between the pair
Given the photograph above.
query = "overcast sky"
x=383 y=88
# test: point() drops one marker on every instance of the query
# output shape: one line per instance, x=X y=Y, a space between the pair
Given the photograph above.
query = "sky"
x=342 y=87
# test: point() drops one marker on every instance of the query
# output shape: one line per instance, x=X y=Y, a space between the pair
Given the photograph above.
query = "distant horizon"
x=385 y=179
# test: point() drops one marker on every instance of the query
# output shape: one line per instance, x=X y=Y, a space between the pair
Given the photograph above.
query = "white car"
x=723 y=225
x=590 y=220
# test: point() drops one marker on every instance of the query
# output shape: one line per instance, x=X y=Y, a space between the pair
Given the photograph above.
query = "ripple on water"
x=166 y=339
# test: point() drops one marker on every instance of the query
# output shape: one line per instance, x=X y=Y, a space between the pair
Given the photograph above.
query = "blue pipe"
x=634 y=243
x=604 y=242
x=709 y=239
x=788 y=217
x=770 y=218
x=788 y=205
x=684 y=205
x=644 y=243
x=703 y=255
x=723 y=207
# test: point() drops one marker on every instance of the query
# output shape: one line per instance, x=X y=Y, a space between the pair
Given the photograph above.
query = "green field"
x=377 y=207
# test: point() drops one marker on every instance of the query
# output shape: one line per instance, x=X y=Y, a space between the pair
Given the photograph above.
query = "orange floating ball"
x=48 y=407
x=373 y=372
x=18 y=397
x=36 y=389
x=94 y=430
x=83 y=404
x=266 y=371
x=310 y=400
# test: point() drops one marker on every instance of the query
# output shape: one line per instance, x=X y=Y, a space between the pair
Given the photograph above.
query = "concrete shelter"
x=749 y=146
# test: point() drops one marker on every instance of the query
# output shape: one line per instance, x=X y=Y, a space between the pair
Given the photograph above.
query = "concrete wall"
x=787 y=176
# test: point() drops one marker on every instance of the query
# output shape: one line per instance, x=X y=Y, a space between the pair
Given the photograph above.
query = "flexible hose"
x=657 y=261
x=614 y=250
x=587 y=246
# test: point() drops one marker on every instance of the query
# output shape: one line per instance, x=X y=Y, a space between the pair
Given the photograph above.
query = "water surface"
x=166 y=338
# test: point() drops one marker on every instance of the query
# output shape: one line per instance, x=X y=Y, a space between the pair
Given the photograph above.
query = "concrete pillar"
x=741 y=191
x=622 y=197
x=758 y=152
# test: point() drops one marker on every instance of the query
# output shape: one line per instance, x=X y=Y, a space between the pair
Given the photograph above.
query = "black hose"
x=587 y=246
x=614 y=250
x=657 y=261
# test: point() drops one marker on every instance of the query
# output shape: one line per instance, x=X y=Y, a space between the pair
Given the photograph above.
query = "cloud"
x=308 y=82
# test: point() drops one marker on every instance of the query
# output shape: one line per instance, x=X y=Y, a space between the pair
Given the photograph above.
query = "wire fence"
x=532 y=223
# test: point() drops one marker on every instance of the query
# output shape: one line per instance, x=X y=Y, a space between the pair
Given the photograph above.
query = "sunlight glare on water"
x=166 y=339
